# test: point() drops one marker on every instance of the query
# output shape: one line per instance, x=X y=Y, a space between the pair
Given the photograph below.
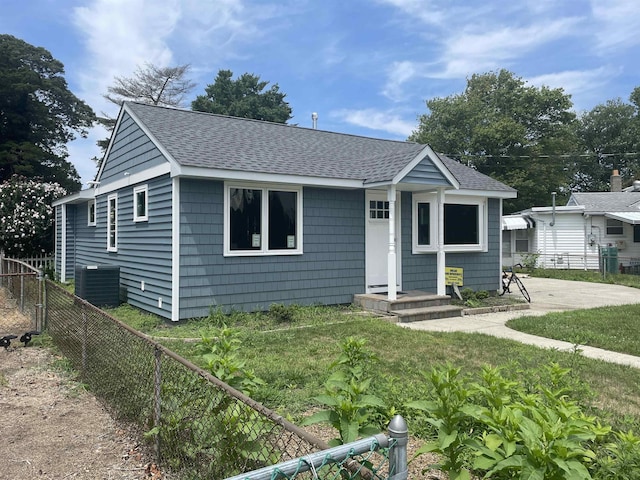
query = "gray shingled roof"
x=603 y=202
x=196 y=139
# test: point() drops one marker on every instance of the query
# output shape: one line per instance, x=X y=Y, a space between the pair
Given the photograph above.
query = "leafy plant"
x=351 y=408
x=220 y=353
x=505 y=429
x=444 y=409
x=619 y=459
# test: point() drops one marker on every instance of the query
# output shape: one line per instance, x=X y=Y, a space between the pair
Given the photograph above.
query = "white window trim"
x=264 y=219
x=431 y=198
x=91 y=222
x=145 y=190
x=110 y=248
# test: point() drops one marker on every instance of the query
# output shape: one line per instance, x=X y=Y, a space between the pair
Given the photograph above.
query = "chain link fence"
x=20 y=301
x=197 y=426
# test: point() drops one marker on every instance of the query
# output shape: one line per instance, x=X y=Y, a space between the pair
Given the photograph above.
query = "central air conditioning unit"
x=98 y=284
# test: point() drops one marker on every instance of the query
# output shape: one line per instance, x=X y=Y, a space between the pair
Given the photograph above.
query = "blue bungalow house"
x=201 y=211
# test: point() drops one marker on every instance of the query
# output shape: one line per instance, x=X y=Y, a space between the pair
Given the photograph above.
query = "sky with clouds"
x=366 y=67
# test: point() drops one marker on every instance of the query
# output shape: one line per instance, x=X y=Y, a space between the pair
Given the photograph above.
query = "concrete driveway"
x=547 y=295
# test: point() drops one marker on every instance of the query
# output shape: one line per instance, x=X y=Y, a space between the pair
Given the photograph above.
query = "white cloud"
x=385 y=121
x=582 y=85
x=426 y=11
x=616 y=23
x=398 y=74
x=479 y=51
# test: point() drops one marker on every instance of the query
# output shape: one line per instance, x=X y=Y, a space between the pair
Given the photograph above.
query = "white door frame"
x=383 y=255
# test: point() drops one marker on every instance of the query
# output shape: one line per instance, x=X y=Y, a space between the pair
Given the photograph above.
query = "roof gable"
x=196 y=140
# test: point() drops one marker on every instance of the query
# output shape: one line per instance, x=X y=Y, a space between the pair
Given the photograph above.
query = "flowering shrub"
x=26 y=215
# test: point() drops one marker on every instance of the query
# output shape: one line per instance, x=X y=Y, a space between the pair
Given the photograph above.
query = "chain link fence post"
x=399 y=436
x=85 y=334
x=39 y=326
x=157 y=390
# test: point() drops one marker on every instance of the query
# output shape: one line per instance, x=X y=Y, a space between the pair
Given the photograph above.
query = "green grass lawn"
x=294 y=356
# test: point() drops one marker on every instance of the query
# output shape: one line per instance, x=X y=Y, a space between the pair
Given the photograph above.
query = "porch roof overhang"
x=517 y=222
x=627 y=217
x=80 y=197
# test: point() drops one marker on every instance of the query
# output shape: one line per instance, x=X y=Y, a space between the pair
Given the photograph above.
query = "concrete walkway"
x=547 y=295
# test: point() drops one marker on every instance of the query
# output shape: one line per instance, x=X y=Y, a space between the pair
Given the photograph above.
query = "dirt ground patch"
x=51 y=427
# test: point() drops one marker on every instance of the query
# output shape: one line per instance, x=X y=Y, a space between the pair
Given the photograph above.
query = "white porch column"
x=440 y=255
x=392 y=292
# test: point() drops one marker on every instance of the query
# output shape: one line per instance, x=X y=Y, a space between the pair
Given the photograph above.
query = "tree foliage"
x=165 y=86
x=609 y=135
x=244 y=97
x=39 y=115
x=506 y=129
x=26 y=216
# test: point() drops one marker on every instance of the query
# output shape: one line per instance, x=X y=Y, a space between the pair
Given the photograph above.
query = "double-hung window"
x=140 y=208
x=91 y=213
x=614 y=227
x=465 y=224
x=112 y=223
x=262 y=220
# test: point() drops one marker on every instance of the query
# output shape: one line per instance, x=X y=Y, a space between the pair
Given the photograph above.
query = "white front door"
x=377 y=241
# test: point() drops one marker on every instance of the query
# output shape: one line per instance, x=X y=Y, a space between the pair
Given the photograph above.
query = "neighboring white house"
x=575 y=235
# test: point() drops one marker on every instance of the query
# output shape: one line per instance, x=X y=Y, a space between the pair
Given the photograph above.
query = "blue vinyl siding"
x=330 y=270
x=481 y=269
x=426 y=173
x=131 y=152
x=144 y=248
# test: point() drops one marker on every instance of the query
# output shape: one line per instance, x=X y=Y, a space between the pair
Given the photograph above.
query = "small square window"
x=378 y=210
x=140 y=208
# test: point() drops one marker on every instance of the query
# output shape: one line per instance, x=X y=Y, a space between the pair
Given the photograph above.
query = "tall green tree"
x=244 y=97
x=508 y=130
x=609 y=135
x=39 y=115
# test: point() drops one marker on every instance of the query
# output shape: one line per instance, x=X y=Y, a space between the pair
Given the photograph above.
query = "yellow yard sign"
x=453 y=275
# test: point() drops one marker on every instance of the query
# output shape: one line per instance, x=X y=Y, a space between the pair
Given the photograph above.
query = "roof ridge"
x=278 y=124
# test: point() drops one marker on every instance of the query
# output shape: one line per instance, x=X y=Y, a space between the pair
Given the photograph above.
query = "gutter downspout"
x=553 y=209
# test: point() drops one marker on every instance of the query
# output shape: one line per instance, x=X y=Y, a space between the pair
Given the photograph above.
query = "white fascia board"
x=77 y=197
x=427 y=152
x=558 y=209
x=483 y=193
x=221 y=174
x=134 y=178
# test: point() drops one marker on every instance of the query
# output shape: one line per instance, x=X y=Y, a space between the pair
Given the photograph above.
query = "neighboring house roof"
x=196 y=139
x=599 y=203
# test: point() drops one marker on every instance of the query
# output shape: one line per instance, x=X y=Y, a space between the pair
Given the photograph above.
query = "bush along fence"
x=199 y=427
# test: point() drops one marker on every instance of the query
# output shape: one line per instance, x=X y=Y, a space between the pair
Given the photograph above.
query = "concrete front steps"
x=411 y=306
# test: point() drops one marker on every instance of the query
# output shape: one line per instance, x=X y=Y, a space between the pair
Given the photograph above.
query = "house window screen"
x=461 y=224
x=245 y=216
x=140 y=204
x=282 y=220
x=522 y=240
x=424 y=224
x=112 y=223
x=614 y=227
x=91 y=213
